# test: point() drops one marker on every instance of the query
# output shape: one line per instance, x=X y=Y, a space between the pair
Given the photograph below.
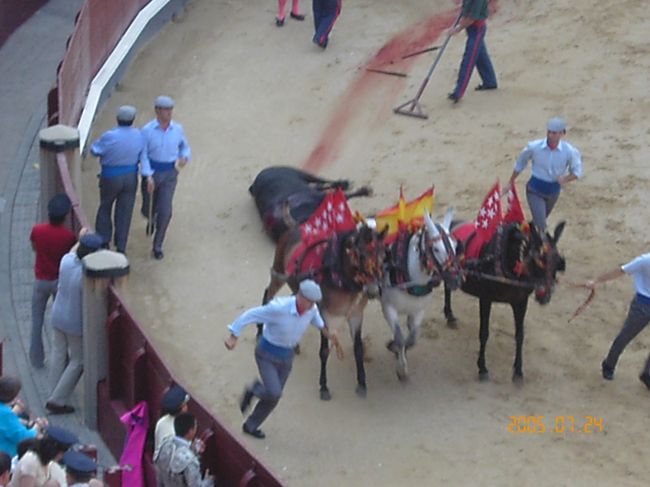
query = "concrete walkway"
x=28 y=63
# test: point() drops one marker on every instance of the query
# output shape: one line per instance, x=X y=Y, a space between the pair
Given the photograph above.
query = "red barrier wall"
x=99 y=26
x=137 y=373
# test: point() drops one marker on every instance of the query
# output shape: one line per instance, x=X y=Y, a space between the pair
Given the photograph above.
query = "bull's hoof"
x=484 y=376
x=518 y=378
x=452 y=322
x=325 y=395
x=361 y=391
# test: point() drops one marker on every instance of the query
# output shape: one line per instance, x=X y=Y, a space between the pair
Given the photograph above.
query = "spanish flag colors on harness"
x=410 y=214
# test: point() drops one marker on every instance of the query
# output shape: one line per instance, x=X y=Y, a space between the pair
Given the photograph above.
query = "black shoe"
x=322 y=45
x=608 y=372
x=645 y=378
x=483 y=87
x=453 y=97
x=157 y=254
x=245 y=401
x=279 y=22
x=258 y=433
x=58 y=408
x=297 y=16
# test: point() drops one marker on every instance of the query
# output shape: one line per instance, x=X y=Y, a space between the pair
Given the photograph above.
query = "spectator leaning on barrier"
x=177 y=463
x=12 y=428
x=67 y=326
x=50 y=241
x=166 y=150
x=40 y=467
x=119 y=151
x=173 y=403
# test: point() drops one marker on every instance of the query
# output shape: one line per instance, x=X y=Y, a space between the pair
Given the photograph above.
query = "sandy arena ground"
x=251 y=95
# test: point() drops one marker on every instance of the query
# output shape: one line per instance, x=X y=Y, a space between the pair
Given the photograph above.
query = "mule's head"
x=544 y=261
x=365 y=253
x=439 y=249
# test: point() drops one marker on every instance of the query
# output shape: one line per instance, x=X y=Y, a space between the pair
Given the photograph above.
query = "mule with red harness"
x=517 y=261
x=348 y=265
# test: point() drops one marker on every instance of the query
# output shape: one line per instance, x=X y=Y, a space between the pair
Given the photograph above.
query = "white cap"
x=126 y=113
x=311 y=291
x=164 y=101
x=556 y=124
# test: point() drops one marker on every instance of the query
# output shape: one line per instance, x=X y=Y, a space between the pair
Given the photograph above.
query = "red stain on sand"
x=389 y=57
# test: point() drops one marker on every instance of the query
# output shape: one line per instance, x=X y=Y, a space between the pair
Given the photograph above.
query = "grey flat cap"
x=164 y=102
x=310 y=290
x=126 y=113
x=556 y=124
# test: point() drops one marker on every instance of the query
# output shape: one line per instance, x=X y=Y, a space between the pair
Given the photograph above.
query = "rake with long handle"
x=412 y=107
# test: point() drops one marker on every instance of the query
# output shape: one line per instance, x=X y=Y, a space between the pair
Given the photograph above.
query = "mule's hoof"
x=361 y=391
x=518 y=379
x=484 y=376
x=452 y=322
x=325 y=395
x=390 y=345
x=402 y=376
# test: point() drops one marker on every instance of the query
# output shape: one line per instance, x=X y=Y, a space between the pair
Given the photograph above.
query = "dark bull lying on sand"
x=277 y=186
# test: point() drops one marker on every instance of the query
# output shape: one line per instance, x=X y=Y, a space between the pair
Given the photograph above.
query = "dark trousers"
x=541 y=206
x=475 y=55
x=325 y=14
x=637 y=319
x=163 y=195
x=274 y=372
x=120 y=192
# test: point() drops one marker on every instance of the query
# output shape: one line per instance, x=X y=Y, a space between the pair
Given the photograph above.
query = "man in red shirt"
x=51 y=241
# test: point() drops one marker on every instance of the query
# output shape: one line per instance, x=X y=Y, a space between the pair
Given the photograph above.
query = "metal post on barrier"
x=100 y=270
x=54 y=140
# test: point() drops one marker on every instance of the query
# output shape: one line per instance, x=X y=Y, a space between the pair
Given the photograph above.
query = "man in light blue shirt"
x=119 y=151
x=285 y=321
x=67 y=326
x=555 y=163
x=166 y=148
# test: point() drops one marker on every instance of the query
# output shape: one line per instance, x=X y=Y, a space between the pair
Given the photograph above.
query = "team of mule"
x=356 y=264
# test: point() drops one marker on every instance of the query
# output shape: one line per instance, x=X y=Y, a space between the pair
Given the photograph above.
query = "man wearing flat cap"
x=67 y=326
x=119 y=151
x=80 y=469
x=555 y=163
x=285 y=320
x=50 y=241
x=174 y=402
x=166 y=148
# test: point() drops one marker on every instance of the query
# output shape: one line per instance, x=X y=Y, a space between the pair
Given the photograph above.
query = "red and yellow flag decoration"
x=405 y=213
x=489 y=216
x=515 y=212
x=333 y=215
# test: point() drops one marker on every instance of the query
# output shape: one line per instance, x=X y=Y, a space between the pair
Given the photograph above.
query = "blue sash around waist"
x=162 y=166
x=276 y=350
x=544 y=187
x=114 y=171
x=642 y=298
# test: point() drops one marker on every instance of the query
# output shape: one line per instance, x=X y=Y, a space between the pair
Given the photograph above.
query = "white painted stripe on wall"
x=107 y=71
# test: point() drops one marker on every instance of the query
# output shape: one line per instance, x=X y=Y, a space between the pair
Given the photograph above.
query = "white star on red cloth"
x=489 y=215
